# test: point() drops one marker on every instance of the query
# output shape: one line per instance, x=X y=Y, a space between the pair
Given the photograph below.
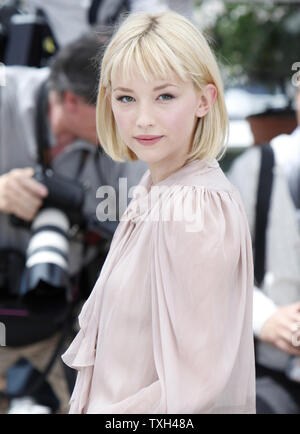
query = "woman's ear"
x=207 y=97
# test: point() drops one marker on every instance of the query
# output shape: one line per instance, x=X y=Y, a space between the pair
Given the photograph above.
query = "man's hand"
x=20 y=194
x=282 y=329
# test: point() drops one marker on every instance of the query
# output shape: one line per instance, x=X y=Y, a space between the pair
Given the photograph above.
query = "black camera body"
x=63 y=193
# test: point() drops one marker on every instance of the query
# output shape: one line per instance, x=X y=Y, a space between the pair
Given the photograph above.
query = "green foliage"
x=257 y=41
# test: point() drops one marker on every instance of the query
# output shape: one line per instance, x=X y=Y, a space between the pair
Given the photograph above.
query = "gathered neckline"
x=202 y=166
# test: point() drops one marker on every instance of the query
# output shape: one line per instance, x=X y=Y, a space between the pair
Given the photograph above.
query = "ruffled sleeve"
x=201 y=276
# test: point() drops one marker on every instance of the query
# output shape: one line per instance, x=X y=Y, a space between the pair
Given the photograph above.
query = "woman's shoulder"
x=200 y=174
x=196 y=187
x=197 y=173
x=201 y=212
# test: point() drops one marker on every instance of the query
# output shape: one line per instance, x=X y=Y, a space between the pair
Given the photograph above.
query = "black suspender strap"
x=264 y=192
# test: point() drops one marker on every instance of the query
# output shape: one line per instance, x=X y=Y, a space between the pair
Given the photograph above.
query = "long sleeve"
x=201 y=281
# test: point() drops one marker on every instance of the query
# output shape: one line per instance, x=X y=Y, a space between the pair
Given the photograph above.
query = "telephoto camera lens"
x=46 y=269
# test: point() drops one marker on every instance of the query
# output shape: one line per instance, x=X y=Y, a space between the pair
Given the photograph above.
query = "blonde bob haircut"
x=158 y=45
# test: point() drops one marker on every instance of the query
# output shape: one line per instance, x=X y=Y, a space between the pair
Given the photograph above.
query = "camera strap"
x=41 y=125
x=42 y=131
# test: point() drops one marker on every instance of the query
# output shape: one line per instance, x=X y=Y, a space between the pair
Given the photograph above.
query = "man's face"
x=71 y=118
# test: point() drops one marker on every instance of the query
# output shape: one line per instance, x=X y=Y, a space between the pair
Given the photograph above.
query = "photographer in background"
x=60 y=102
x=51 y=113
x=276 y=303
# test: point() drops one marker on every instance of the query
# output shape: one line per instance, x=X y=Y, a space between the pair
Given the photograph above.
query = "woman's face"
x=157 y=119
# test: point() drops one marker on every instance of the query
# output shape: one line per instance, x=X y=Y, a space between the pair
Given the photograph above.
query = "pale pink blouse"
x=168 y=325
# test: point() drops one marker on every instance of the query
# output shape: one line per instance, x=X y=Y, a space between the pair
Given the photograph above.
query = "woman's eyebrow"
x=164 y=85
x=125 y=89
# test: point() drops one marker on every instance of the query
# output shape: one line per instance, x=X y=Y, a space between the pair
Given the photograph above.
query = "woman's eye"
x=165 y=97
x=125 y=98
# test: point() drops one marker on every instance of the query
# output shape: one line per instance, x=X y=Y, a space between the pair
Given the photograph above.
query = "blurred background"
x=257 y=47
x=256 y=43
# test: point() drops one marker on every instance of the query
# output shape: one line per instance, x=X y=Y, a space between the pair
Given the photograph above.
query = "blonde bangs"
x=152 y=57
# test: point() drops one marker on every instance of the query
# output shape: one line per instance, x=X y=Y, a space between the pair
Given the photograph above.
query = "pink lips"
x=148 y=139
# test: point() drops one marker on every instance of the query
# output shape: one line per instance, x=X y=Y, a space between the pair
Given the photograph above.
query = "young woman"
x=168 y=326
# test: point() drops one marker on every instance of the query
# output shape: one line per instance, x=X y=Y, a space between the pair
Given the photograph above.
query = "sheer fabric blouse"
x=168 y=325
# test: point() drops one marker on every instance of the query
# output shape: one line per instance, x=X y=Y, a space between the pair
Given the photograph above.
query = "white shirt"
x=281 y=285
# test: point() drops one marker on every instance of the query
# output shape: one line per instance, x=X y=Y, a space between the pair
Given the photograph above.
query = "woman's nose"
x=145 y=117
